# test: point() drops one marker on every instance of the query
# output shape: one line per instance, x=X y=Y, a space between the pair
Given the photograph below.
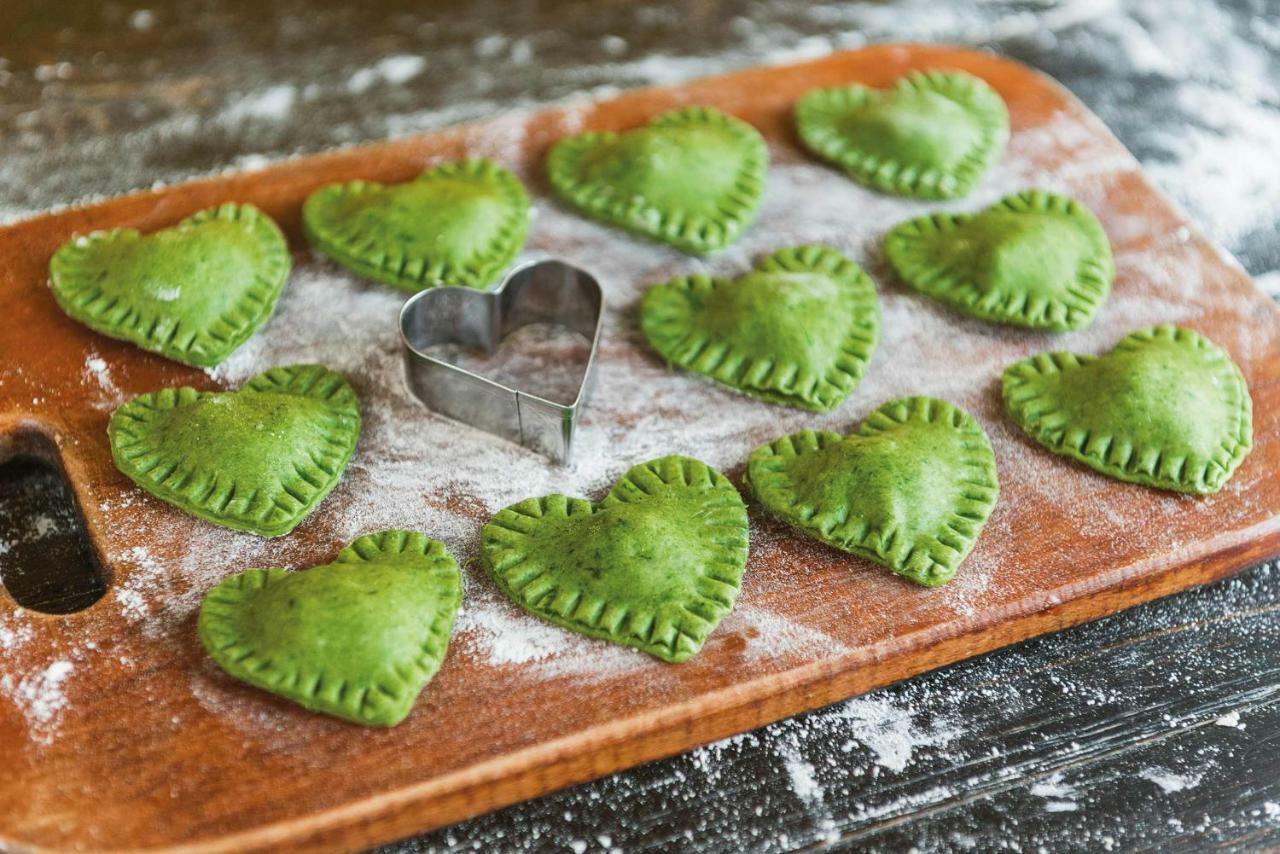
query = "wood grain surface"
x=139 y=762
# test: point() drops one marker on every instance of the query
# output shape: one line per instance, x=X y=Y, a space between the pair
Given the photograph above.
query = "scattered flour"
x=876 y=735
x=1052 y=787
x=889 y=731
x=142 y=576
x=1270 y=283
x=142 y=19
x=44 y=525
x=268 y=105
x=41 y=698
x=392 y=69
x=499 y=635
x=804 y=781
x=1231 y=719
x=1169 y=781
x=97 y=373
x=1059 y=796
x=14 y=633
x=1204 y=171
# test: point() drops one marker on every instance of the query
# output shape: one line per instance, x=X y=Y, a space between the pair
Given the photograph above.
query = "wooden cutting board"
x=116 y=732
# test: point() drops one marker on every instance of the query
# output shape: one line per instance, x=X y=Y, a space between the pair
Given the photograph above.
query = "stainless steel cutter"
x=539 y=292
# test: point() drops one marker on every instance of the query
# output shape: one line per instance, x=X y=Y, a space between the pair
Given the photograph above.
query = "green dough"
x=931 y=136
x=1031 y=259
x=192 y=293
x=358 y=638
x=457 y=224
x=692 y=178
x=656 y=565
x=259 y=459
x=1166 y=408
x=798 y=330
x=911 y=490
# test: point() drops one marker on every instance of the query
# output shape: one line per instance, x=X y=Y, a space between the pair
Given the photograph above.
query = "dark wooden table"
x=1158 y=728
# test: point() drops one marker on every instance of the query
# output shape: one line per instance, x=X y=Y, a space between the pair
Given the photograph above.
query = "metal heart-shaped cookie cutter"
x=539 y=292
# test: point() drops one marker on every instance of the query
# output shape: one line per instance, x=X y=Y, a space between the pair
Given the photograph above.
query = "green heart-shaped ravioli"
x=692 y=177
x=798 y=330
x=258 y=459
x=358 y=638
x=457 y=224
x=932 y=135
x=1032 y=259
x=193 y=292
x=1166 y=408
x=910 y=490
x=656 y=565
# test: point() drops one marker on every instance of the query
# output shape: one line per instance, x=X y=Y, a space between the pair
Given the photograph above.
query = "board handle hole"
x=46 y=561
